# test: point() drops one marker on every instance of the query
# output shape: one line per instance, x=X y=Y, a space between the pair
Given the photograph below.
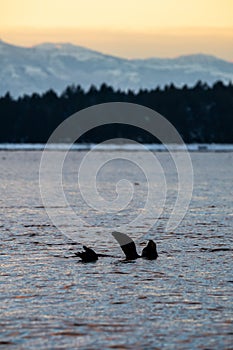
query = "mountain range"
x=24 y=70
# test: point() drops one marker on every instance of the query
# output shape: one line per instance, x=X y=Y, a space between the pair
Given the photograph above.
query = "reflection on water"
x=49 y=300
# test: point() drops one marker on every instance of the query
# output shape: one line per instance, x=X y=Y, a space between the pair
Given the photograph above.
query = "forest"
x=201 y=114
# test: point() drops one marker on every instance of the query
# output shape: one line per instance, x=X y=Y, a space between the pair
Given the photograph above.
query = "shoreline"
x=195 y=147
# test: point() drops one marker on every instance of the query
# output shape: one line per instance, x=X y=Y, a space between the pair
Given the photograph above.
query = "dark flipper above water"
x=127 y=245
x=150 y=251
x=89 y=255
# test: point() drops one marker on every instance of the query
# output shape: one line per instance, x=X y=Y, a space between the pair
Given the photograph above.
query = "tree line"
x=201 y=113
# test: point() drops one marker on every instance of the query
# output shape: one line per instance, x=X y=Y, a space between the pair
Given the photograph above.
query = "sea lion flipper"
x=150 y=251
x=89 y=255
x=127 y=245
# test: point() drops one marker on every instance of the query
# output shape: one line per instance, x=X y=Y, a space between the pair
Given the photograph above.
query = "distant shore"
x=194 y=147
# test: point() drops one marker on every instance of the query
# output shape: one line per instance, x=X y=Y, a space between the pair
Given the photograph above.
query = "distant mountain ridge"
x=54 y=66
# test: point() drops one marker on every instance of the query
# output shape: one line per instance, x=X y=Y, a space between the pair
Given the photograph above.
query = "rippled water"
x=49 y=300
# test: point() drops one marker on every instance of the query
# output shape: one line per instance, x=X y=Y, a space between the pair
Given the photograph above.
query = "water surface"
x=49 y=300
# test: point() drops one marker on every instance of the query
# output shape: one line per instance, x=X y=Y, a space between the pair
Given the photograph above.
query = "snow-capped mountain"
x=42 y=67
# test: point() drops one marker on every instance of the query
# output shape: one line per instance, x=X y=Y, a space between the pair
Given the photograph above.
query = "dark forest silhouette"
x=200 y=113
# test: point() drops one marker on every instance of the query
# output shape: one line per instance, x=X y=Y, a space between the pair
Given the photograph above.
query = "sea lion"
x=127 y=245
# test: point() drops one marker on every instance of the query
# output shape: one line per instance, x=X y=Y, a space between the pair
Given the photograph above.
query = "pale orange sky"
x=128 y=28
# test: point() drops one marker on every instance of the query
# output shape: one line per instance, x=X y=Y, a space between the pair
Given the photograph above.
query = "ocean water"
x=49 y=300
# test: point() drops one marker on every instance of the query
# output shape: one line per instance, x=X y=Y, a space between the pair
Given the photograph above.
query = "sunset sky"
x=128 y=28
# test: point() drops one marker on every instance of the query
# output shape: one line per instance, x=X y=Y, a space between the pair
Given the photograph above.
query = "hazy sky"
x=130 y=28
